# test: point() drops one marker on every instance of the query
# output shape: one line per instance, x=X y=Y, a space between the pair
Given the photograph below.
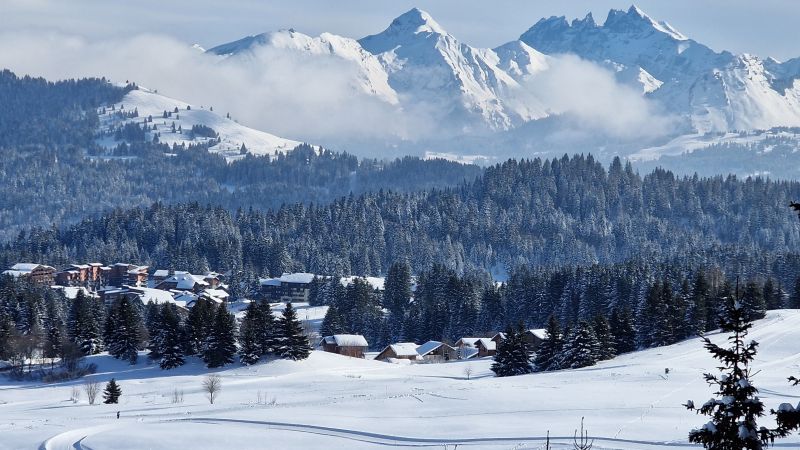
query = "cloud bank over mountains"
x=414 y=87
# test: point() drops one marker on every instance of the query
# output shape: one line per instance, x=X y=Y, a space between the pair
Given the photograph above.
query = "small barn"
x=486 y=347
x=353 y=345
x=437 y=351
x=401 y=350
x=534 y=338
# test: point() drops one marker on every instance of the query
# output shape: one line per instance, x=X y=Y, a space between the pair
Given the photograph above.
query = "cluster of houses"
x=119 y=280
x=184 y=289
x=355 y=345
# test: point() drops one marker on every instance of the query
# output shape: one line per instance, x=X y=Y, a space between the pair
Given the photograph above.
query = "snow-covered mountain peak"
x=416 y=21
x=409 y=27
x=637 y=21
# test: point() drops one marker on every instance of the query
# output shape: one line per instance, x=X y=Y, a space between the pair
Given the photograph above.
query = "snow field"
x=332 y=402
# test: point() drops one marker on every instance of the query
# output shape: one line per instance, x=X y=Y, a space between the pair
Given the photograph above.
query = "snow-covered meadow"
x=335 y=402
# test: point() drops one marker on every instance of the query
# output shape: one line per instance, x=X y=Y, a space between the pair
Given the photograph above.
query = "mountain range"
x=500 y=101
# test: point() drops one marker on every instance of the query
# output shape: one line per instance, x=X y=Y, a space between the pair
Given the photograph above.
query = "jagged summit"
x=635 y=20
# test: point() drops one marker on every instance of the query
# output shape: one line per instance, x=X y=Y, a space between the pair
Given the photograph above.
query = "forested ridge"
x=561 y=212
x=53 y=172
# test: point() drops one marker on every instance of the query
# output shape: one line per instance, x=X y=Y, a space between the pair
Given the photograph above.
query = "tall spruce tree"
x=513 y=355
x=753 y=302
x=172 y=338
x=124 y=331
x=221 y=345
x=581 y=348
x=84 y=324
x=249 y=339
x=624 y=332
x=293 y=342
x=112 y=392
x=605 y=338
x=548 y=355
x=734 y=413
x=266 y=329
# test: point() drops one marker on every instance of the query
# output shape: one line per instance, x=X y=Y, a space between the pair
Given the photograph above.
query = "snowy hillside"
x=369 y=75
x=331 y=401
x=231 y=134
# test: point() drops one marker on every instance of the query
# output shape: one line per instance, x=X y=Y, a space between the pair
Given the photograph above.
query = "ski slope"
x=334 y=402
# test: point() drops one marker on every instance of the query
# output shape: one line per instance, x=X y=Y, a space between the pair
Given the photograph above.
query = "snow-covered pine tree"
x=249 y=342
x=266 y=329
x=221 y=345
x=112 y=392
x=172 y=338
x=624 y=333
x=548 y=354
x=199 y=326
x=513 y=355
x=84 y=324
x=734 y=413
x=753 y=302
x=333 y=322
x=293 y=343
x=124 y=330
x=581 y=348
x=605 y=338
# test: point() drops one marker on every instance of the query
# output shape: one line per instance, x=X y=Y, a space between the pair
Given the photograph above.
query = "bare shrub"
x=212 y=385
x=177 y=396
x=75 y=395
x=468 y=372
x=92 y=388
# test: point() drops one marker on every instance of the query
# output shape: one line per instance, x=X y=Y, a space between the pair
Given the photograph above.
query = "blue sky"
x=764 y=28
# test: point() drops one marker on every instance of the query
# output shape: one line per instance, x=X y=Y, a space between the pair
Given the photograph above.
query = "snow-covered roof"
x=487 y=343
x=15 y=273
x=218 y=293
x=71 y=292
x=346 y=340
x=375 y=282
x=540 y=333
x=135 y=271
x=404 y=349
x=24 y=267
x=161 y=273
x=157 y=296
x=95 y=264
x=80 y=266
x=472 y=341
x=300 y=278
x=428 y=347
x=185 y=280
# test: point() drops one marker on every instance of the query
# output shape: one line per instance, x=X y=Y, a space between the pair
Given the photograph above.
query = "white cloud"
x=279 y=91
x=591 y=96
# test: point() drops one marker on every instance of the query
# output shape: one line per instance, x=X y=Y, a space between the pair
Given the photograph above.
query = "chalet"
x=499 y=337
x=437 y=351
x=38 y=273
x=534 y=338
x=402 y=350
x=127 y=274
x=159 y=276
x=184 y=281
x=289 y=287
x=470 y=347
x=345 y=344
x=486 y=347
x=376 y=283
